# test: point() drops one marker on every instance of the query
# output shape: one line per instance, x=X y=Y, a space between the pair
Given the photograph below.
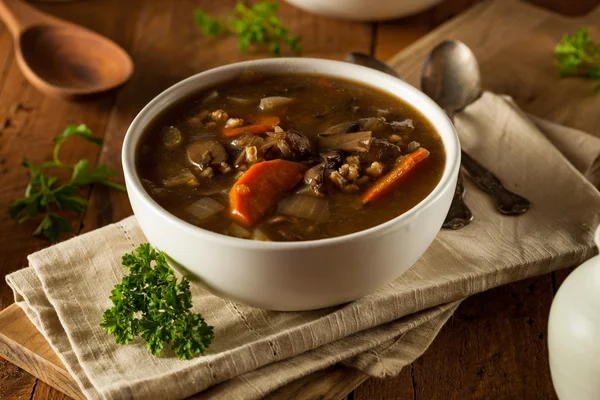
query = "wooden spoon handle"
x=18 y=16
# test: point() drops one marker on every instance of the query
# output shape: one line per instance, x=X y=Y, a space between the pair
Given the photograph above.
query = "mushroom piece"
x=382 y=151
x=289 y=145
x=355 y=141
x=206 y=152
x=314 y=177
x=242 y=141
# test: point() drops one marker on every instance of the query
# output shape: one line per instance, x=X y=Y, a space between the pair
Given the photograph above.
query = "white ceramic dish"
x=573 y=332
x=364 y=10
x=295 y=275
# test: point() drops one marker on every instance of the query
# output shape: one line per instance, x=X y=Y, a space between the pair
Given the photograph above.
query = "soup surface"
x=289 y=157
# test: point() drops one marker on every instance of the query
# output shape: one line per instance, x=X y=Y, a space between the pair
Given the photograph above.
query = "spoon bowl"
x=451 y=76
x=62 y=59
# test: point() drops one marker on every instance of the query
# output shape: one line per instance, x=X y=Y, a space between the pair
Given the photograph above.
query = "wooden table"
x=495 y=345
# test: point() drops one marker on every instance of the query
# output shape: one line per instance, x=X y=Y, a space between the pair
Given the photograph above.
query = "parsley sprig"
x=578 y=54
x=254 y=25
x=44 y=196
x=149 y=302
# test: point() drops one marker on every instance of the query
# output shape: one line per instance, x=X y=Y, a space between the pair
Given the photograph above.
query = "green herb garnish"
x=44 y=196
x=254 y=25
x=149 y=302
x=579 y=55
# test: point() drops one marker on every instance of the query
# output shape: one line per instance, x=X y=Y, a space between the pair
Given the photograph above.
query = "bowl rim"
x=315 y=66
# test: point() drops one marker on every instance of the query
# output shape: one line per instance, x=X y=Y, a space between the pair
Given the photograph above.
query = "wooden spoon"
x=63 y=59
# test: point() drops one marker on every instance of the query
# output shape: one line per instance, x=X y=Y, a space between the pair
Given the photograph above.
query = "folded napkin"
x=66 y=287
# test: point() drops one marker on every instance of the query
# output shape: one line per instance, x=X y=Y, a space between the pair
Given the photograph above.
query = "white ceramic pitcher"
x=574 y=333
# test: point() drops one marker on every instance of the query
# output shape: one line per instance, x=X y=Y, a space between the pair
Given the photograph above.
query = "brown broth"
x=319 y=103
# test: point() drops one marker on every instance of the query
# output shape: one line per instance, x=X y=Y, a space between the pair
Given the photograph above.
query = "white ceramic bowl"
x=295 y=275
x=364 y=10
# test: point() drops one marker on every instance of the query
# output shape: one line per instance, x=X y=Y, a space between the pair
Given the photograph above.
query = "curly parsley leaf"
x=151 y=303
x=579 y=55
x=253 y=25
x=43 y=196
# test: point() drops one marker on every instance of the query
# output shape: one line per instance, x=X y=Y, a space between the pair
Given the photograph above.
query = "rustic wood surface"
x=495 y=345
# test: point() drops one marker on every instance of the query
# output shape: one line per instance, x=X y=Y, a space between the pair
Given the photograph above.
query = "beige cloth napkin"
x=66 y=287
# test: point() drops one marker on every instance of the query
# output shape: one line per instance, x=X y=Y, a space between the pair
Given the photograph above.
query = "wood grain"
x=465 y=362
x=15 y=383
x=333 y=383
x=394 y=36
x=148 y=30
x=400 y=387
x=43 y=391
x=23 y=345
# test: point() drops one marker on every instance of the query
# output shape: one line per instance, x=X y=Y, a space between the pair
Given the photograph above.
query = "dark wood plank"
x=23 y=345
x=44 y=391
x=14 y=382
x=494 y=347
x=395 y=35
x=397 y=388
x=333 y=383
x=570 y=8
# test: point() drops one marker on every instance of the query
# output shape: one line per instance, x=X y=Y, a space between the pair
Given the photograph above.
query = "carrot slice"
x=261 y=187
x=393 y=179
x=262 y=125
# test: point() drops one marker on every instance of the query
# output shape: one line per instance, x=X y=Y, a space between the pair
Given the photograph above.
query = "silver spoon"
x=459 y=214
x=451 y=77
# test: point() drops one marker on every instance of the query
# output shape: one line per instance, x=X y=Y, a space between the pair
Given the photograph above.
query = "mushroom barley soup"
x=289 y=157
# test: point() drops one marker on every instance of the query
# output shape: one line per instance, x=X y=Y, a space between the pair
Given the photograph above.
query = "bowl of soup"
x=291 y=183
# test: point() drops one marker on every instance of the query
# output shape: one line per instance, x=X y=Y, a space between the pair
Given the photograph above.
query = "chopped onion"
x=185 y=177
x=269 y=103
x=241 y=100
x=211 y=189
x=402 y=125
x=238 y=231
x=212 y=96
x=344 y=127
x=259 y=234
x=356 y=141
x=306 y=207
x=205 y=208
